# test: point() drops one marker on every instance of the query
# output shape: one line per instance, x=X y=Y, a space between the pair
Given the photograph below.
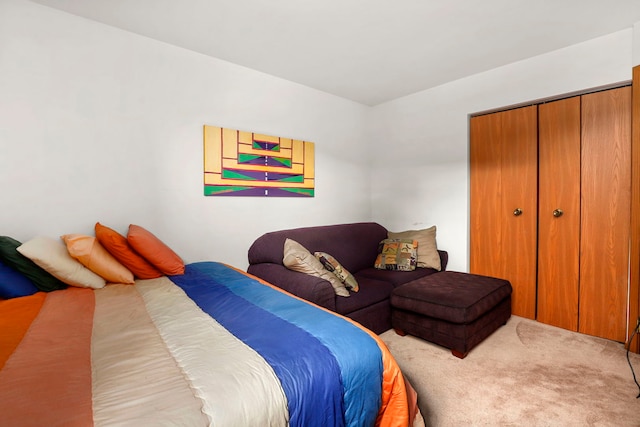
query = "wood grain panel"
x=520 y=183
x=634 y=270
x=559 y=188
x=485 y=234
x=605 y=217
x=503 y=161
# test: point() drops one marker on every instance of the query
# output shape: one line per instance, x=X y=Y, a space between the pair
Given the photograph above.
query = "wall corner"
x=635 y=45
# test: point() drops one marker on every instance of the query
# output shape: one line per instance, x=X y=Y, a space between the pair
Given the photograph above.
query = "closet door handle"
x=558 y=213
x=517 y=212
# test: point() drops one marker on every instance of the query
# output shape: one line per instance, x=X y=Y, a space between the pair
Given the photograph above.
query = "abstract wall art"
x=239 y=163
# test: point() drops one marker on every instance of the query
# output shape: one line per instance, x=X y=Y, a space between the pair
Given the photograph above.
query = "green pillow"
x=14 y=259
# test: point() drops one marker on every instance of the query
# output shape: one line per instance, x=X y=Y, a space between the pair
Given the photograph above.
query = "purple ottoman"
x=451 y=309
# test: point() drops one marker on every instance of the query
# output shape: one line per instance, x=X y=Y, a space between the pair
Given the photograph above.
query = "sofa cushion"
x=428 y=256
x=298 y=258
x=397 y=254
x=355 y=245
x=371 y=291
x=396 y=278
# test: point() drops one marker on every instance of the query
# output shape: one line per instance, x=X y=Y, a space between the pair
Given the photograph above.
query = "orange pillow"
x=154 y=250
x=96 y=258
x=117 y=245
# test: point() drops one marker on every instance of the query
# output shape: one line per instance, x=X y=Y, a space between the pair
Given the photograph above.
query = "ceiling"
x=369 y=51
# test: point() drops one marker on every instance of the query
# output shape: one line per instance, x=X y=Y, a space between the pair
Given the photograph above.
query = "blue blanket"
x=331 y=370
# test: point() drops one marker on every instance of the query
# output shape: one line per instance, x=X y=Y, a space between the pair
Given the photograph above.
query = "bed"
x=214 y=346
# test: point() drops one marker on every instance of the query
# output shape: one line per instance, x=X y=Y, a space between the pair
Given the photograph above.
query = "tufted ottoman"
x=451 y=309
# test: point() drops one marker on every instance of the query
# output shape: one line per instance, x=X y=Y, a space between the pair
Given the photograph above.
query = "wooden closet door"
x=559 y=212
x=503 y=200
x=606 y=194
x=485 y=163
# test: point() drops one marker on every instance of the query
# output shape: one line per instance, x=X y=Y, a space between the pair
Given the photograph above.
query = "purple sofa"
x=355 y=246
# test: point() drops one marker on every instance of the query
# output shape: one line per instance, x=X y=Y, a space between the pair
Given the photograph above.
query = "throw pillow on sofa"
x=397 y=254
x=298 y=258
x=428 y=256
x=331 y=264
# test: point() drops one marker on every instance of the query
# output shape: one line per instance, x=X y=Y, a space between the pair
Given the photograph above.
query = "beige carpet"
x=524 y=374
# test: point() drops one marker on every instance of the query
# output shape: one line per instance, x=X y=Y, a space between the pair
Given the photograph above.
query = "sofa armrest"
x=444 y=259
x=305 y=286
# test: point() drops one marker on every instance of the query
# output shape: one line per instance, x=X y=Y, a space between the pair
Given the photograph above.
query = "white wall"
x=636 y=44
x=97 y=124
x=420 y=166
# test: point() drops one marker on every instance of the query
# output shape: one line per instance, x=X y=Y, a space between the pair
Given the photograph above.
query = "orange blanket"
x=146 y=354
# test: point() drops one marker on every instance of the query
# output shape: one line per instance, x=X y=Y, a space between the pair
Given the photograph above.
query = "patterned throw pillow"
x=298 y=258
x=397 y=254
x=428 y=256
x=331 y=264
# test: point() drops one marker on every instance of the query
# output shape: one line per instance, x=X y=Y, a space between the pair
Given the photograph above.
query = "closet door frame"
x=634 y=270
x=634 y=238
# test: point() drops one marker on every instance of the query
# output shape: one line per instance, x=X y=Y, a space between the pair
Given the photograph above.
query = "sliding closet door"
x=606 y=193
x=503 y=200
x=485 y=157
x=559 y=212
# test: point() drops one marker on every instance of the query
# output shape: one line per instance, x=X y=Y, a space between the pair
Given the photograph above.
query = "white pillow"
x=52 y=256
x=298 y=258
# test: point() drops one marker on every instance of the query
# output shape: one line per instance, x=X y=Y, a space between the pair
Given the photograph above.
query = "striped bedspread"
x=212 y=347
